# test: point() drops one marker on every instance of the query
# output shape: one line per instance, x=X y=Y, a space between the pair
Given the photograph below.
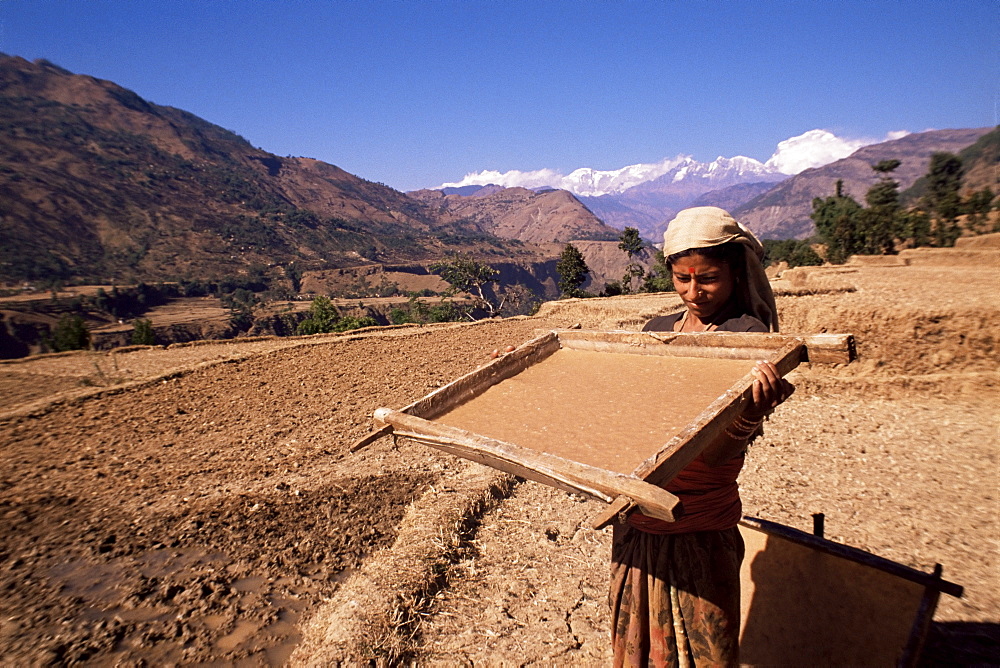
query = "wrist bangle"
x=747 y=424
x=738 y=435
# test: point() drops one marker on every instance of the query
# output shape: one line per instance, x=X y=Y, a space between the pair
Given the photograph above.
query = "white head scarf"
x=705 y=226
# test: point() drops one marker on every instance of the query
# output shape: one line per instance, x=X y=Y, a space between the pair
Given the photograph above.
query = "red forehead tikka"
x=691 y=271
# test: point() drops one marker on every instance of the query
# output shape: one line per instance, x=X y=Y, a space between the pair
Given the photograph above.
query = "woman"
x=675 y=591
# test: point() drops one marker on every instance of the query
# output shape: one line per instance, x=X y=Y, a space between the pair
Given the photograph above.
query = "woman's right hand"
x=769 y=390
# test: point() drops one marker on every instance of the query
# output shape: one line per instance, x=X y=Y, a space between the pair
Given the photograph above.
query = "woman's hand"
x=769 y=390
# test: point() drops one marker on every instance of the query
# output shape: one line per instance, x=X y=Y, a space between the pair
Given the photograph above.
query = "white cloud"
x=514 y=178
x=817 y=148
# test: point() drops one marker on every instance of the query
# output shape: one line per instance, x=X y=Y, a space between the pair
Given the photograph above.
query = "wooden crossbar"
x=539 y=466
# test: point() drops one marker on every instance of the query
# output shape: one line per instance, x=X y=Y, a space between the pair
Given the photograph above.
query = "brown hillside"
x=522 y=214
x=96 y=182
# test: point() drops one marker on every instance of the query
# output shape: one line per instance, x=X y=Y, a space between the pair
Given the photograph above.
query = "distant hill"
x=981 y=162
x=521 y=214
x=783 y=211
x=472 y=191
x=98 y=184
x=733 y=197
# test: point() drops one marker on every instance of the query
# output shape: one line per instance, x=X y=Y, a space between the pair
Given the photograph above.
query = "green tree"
x=102 y=302
x=444 y=311
x=916 y=226
x=323 y=317
x=415 y=311
x=354 y=322
x=612 y=289
x=978 y=205
x=658 y=278
x=71 y=333
x=142 y=333
x=631 y=243
x=941 y=199
x=837 y=221
x=793 y=251
x=465 y=274
x=240 y=303
x=886 y=167
x=572 y=270
x=881 y=221
x=294 y=274
x=400 y=316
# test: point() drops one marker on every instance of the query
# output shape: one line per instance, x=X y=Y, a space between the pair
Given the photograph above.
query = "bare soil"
x=199 y=504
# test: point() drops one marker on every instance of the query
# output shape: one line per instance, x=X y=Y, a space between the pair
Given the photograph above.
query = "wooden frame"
x=643 y=488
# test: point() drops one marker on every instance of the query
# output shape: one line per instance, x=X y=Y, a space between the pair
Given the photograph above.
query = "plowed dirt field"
x=199 y=504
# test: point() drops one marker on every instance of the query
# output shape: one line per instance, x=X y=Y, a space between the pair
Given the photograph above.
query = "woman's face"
x=705 y=285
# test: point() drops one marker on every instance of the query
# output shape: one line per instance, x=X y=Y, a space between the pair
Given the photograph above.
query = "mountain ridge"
x=550 y=216
x=98 y=183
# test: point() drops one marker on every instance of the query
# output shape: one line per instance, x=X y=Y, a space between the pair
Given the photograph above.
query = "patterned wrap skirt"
x=675 y=598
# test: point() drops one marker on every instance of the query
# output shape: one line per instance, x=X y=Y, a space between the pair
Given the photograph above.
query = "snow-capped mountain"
x=644 y=196
x=594 y=182
x=649 y=205
x=691 y=175
x=590 y=182
x=648 y=195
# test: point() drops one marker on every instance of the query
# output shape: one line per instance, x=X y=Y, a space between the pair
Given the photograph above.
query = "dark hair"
x=731 y=252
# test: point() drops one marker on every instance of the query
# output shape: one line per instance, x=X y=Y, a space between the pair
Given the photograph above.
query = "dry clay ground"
x=198 y=504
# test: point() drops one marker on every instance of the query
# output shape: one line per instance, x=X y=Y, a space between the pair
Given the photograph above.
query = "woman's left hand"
x=769 y=390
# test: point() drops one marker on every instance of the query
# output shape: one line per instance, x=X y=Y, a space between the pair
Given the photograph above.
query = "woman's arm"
x=769 y=389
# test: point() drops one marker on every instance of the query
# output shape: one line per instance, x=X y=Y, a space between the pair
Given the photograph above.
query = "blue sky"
x=415 y=93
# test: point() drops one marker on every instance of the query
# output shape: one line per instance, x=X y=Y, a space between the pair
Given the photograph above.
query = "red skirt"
x=675 y=598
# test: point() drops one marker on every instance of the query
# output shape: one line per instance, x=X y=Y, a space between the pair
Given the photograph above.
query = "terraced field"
x=199 y=504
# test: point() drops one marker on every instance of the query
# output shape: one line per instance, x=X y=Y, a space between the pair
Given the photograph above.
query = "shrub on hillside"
x=417 y=311
x=324 y=317
x=796 y=253
x=658 y=278
x=71 y=333
x=142 y=333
